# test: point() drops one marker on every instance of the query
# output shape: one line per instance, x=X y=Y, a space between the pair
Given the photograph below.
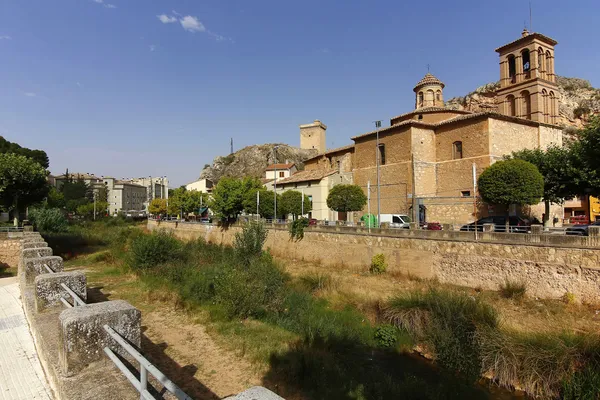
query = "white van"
x=396 y=220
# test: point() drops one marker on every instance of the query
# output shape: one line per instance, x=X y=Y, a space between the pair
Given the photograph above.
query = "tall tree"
x=266 y=202
x=561 y=176
x=587 y=156
x=292 y=203
x=346 y=198
x=22 y=182
x=228 y=196
x=158 y=206
x=511 y=182
x=39 y=156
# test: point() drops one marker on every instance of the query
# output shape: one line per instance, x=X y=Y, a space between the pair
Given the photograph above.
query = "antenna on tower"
x=231 y=149
x=530 y=26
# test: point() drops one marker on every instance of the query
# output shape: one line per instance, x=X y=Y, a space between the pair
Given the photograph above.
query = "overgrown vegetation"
x=51 y=220
x=513 y=289
x=378 y=264
x=296 y=228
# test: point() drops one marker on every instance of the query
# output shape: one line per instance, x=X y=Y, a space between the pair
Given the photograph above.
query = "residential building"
x=280 y=171
x=59 y=180
x=201 y=185
x=156 y=188
x=125 y=196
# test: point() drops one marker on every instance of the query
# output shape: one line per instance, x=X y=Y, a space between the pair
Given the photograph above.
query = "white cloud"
x=192 y=24
x=5 y=37
x=152 y=47
x=30 y=94
x=105 y=5
x=165 y=19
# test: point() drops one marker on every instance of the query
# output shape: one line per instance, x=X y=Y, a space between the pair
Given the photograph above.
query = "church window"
x=525 y=56
x=381 y=154
x=465 y=193
x=548 y=63
x=526 y=108
x=281 y=174
x=457 y=150
x=512 y=69
x=430 y=98
x=420 y=117
x=420 y=99
x=545 y=105
x=541 y=62
x=438 y=95
x=511 y=106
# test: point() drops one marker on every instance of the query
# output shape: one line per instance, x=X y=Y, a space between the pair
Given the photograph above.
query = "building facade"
x=124 y=196
x=312 y=136
x=156 y=188
x=201 y=185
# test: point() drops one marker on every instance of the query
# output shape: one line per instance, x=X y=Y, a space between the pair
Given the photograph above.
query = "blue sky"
x=157 y=87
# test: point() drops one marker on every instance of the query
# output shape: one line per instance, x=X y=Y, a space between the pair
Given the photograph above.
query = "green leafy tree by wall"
x=587 y=156
x=228 y=196
x=265 y=203
x=158 y=206
x=346 y=198
x=38 y=156
x=511 y=182
x=22 y=182
x=291 y=203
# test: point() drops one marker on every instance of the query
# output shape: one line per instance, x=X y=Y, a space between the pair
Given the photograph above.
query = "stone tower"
x=312 y=136
x=527 y=79
x=429 y=92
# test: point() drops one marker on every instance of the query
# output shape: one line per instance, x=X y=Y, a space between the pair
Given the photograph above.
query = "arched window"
x=549 y=71
x=541 y=62
x=525 y=56
x=553 y=111
x=420 y=99
x=457 y=150
x=545 y=104
x=430 y=99
x=511 y=108
x=512 y=69
x=526 y=104
x=438 y=96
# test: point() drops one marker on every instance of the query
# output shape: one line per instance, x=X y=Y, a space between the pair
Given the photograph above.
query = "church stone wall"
x=473 y=135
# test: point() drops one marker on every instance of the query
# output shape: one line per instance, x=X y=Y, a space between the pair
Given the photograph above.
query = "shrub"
x=569 y=298
x=317 y=281
x=378 y=264
x=513 y=289
x=150 y=250
x=296 y=228
x=446 y=323
x=248 y=243
x=51 y=220
x=386 y=335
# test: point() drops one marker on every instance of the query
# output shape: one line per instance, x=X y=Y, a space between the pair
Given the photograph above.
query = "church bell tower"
x=527 y=79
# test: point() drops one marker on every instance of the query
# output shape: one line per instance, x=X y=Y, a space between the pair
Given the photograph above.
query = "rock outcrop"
x=578 y=101
x=253 y=161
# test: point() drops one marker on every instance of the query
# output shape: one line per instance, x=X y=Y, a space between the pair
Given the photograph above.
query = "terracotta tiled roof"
x=347 y=147
x=273 y=167
x=401 y=124
x=78 y=175
x=305 y=176
x=527 y=38
x=427 y=110
x=428 y=79
x=264 y=181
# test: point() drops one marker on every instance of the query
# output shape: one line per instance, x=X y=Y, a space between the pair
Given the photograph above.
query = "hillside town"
x=449 y=251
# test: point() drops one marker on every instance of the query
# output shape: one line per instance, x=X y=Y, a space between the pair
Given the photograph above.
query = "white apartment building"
x=201 y=185
x=280 y=171
x=124 y=196
x=156 y=188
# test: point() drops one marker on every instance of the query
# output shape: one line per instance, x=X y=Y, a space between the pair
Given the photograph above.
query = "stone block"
x=594 y=231
x=32 y=238
x=82 y=334
x=34 y=245
x=537 y=229
x=488 y=227
x=414 y=225
x=255 y=393
x=33 y=267
x=48 y=288
x=37 y=252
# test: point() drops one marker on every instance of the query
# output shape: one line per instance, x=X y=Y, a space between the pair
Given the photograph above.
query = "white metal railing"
x=146 y=366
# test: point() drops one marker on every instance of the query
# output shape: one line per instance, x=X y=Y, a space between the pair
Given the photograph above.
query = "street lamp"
x=377 y=157
x=275 y=184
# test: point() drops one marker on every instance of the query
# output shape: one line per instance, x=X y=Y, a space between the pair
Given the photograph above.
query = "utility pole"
x=369 y=205
x=414 y=192
x=231 y=144
x=377 y=157
x=257 y=204
x=95 y=204
x=302 y=202
x=475 y=197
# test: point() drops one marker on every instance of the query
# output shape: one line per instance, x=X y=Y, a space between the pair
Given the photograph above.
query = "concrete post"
x=33 y=267
x=488 y=227
x=537 y=229
x=594 y=231
x=414 y=225
x=34 y=245
x=48 y=288
x=37 y=252
x=83 y=338
x=447 y=227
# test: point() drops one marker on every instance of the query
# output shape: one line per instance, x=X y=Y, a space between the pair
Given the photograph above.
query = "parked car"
x=516 y=224
x=581 y=230
x=396 y=220
x=312 y=222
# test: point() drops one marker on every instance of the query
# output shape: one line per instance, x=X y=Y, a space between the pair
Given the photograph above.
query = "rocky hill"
x=253 y=161
x=578 y=100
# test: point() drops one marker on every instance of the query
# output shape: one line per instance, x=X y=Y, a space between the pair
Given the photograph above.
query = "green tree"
x=38 y=156
x=511 y=182
x=291 y=203
x=194 y=200
x=176 y=200
x=561 y=176
x=346 y=198
x=22 y=182
x=87 y=210
x=586 y=153
x=158 y=206
x=228 y=196
x=55 y=199
x=265 y=202
x=76 y=193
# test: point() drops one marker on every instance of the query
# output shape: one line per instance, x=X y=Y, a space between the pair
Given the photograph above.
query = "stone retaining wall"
x=10 y=252
x=549 y=270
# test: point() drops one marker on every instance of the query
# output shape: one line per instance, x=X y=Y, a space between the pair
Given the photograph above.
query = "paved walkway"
x=21 y=375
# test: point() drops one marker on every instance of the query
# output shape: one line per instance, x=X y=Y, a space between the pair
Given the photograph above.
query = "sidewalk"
x=21 y=375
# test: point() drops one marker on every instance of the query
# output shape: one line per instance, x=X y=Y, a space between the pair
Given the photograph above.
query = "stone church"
x=430 y=152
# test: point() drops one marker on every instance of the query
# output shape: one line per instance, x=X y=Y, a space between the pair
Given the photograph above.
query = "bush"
x=150 y=250
x=446 y=323
x=51 y=220
x=317 y=281
x=386 y=335
x=248 y=243
x=297 y=227
x=513 y=289
x=378 y=264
